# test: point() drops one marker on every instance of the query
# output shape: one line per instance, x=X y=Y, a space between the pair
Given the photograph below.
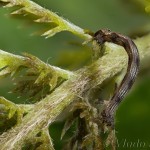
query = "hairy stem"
x=47 y=110
x=46 y=16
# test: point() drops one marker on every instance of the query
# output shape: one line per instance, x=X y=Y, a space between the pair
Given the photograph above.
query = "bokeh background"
x=125 y=16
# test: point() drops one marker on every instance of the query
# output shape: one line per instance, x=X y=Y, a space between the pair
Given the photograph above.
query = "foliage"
x=51 y=90
x=41 y=15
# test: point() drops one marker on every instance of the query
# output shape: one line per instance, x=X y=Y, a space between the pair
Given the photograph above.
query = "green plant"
x=52 y=89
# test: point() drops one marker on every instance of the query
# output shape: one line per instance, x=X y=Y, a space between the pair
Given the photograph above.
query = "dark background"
x=125 y=16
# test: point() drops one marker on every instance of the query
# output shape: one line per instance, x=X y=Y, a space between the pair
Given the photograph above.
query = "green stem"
x=47 y=110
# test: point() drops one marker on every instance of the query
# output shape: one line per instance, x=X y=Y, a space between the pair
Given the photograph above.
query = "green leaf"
x=9 y=63
x=27 y=7
x=33 y=77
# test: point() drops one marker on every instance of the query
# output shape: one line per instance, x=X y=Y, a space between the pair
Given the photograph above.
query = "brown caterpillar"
x=103 y=36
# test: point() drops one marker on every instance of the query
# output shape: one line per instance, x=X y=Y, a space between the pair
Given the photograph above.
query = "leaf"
x=69 y=122
x=10 y=109
x=9 y=63
x=33 y=77
x=27 y=7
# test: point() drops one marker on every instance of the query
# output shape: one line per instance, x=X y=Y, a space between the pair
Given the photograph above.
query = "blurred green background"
x=125 y=16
